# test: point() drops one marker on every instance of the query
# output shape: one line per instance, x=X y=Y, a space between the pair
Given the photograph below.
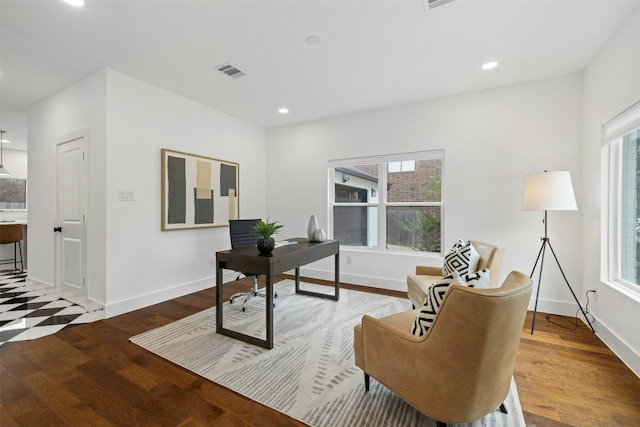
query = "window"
x=621 y=199
x=388 y=202
x=405 y=166
x=13 y=193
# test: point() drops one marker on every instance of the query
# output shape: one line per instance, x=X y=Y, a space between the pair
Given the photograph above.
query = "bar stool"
x=12 y=234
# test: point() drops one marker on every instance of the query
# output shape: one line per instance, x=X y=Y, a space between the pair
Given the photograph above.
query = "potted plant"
x=266 y=230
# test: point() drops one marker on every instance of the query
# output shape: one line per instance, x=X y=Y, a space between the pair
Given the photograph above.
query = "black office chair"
x=242 y=234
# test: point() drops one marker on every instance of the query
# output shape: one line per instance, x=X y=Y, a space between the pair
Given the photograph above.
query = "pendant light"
x=3 y=171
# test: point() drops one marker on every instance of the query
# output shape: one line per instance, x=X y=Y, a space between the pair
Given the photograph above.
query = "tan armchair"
x=418 y=284
x=461 y=369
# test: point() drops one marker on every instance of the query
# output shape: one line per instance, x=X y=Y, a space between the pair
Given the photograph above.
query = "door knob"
x=57 y=229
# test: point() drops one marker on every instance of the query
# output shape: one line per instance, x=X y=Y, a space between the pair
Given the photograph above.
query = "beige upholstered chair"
x=461 y=369
x=418 y=284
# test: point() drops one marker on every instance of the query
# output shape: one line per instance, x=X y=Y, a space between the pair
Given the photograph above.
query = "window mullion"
x=382 y=206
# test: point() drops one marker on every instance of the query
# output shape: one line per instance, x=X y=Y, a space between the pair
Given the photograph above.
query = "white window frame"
x=613 y=133
x=382 y=203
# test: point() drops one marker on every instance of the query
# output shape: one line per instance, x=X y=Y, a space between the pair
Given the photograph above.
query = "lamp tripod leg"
x=541 y=259
x=570 y=288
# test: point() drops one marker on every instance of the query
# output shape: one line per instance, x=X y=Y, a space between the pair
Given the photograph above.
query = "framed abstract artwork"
x=198 y=191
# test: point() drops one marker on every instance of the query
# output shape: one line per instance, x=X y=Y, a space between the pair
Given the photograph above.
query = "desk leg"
x=337 y=276
x=336 y=285
x=297 y=279
x=219 y=302
x=269 y=342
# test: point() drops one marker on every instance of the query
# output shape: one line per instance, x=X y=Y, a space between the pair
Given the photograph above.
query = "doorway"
x=70 y=229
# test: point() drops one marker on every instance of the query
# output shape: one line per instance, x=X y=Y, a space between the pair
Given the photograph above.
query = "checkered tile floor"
x=28 y=313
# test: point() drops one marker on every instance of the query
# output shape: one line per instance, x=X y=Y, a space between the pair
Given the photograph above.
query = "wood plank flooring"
x=91 y=375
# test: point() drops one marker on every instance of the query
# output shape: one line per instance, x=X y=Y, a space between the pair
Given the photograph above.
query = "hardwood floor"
x=91 y=375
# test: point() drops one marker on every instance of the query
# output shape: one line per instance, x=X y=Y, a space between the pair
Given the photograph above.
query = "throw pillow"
x=479 y=279
x=429 y=310
x=435 y=295
x=462 y=257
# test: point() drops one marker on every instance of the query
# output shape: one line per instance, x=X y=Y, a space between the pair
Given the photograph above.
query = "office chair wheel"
x=275 y=295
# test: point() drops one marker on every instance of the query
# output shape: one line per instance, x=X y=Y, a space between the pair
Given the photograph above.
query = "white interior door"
x=71 y=222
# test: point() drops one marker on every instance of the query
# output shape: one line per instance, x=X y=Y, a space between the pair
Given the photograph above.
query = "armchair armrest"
x=428 y=270
x=390 y=353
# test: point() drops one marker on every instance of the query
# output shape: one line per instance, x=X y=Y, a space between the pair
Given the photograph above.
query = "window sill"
x=624 y=290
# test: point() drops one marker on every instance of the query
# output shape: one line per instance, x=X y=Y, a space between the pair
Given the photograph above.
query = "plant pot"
x=265 y=246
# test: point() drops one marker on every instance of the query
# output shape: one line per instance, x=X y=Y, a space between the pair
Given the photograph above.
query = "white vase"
x=312 y=228
x=320 y=235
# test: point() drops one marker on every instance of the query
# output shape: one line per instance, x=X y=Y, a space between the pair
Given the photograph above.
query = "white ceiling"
x=371 y=54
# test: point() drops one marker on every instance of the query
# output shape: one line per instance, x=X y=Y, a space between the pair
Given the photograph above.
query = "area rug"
x=310 y=373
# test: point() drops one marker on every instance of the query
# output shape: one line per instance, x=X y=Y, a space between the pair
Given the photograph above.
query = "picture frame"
x=198 y=191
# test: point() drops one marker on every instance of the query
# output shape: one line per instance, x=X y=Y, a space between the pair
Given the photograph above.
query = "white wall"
x=80 y=106
x=146 y=265
x=491 y=138
x=611 y=84
x=15 y=161
x=132 y=263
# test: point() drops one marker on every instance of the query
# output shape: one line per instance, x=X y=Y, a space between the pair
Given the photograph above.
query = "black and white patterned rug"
x=310 y=373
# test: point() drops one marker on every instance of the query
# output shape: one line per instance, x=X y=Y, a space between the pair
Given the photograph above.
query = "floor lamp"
x=549 y=191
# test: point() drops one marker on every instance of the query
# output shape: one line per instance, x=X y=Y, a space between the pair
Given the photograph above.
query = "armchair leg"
x=366 y=381
x=502 y=409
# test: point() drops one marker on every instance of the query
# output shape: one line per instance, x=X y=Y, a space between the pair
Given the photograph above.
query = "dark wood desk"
x=282 y=259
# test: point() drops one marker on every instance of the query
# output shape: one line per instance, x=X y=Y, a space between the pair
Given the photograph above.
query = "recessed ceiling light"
x=283 y=110
x=6 y=141
x=489 y=65
x=312 y=40
x=75 y=2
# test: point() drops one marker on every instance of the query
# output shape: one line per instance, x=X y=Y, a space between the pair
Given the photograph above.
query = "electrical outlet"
x=212 y=262
x=348 y=259
x=595 y=295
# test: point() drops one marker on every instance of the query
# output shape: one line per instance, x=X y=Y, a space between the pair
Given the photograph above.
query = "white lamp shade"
x=548 y=191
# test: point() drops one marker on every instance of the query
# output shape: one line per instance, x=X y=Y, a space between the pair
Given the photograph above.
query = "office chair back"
x=12 y=234
x=242 y=233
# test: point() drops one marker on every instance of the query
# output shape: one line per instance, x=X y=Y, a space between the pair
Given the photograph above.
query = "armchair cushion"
x=462 y=257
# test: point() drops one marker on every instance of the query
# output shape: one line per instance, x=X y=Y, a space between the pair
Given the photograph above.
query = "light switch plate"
x=126 y=195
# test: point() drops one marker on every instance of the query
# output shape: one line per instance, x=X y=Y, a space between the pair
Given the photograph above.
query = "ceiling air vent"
x=230 y=70
x=435 y=3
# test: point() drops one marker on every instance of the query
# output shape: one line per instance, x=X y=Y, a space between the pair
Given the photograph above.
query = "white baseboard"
x=563 y=308
x=42 y=284
x=50 y=289
x=358 y=279
x=628 y=356
x=140 y=301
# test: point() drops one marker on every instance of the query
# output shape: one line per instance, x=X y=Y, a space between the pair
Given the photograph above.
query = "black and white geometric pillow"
x=432 y=303
x=462 y=257
x=435 y=295
x=479 y=280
